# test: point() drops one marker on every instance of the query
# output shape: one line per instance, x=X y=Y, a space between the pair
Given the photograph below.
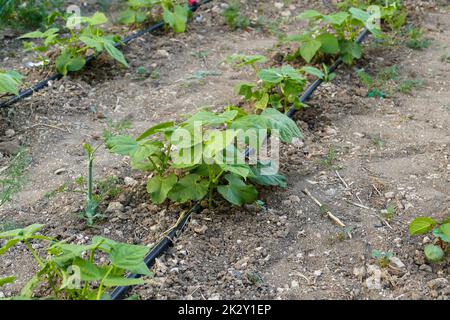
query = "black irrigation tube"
x=158 y=250
x=56 y=76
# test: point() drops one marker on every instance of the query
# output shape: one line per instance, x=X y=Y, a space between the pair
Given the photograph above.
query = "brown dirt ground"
x=289 y=250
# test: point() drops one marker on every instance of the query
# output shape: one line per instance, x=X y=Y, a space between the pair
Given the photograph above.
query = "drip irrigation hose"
x=158 y=250
x=56 y=76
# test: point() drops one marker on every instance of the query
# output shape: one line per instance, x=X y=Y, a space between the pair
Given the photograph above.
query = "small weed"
x=330 y=158
x=61 y=189
x=382 y=258
x=108 y=188
x=142 y=72
x=12 y=179
x=254 y=278
x=365 y=78
x=415 y=39
x=233 y=17
x=378 y=141
x=387 y=74
x=408 y=86
x=385 y=80
x=390 y=212
x=341 y=235
x=155 y=74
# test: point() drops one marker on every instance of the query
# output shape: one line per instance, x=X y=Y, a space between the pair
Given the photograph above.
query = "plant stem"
x=90 y=180
x=100 y=288
x=34 y=253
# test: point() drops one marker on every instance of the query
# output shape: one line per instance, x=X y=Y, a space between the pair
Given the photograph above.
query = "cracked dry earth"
x=289 y=250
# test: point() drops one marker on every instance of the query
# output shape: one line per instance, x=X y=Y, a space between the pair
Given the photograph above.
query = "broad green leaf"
x=336 y=18
x=218 y=140
x=155 y=129
x=242 y=170
x=253 y=130
x=262 y=102
x=329 y=43
x=65 y=252
x=127 y=17
x=241 y=112
x=89 y=271
x=92 y=43
x=309 y=14
x=67 y=62
x=96 y=19
x=421 y=225
x=115 y=53
x=273 y=76
x=50 y=32
x=103 y=244
x=350 y=50
x=123 y=145
x=237 y=192
x=176 y=19
x=9 y=82
x=6 y=280
x=251 y=121
x=22 y=233
x=245 y=90
x=359 y=14
x=262 y=174
x=433 y=253
x=159 y=187
x=190 y=187
x=187 y=157
x=314 y=71
x=130 y=257
x=287 y=127
x=32 y=35
x=146 y=150
x=309 y=48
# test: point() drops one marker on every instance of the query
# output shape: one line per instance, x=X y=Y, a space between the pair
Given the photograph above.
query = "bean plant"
x=437 y=251
x=84 y=37
x=73 y=272
x=210 y=160
x=279 y=88
x=9 y=82
x=334 y=34
x=174 y=13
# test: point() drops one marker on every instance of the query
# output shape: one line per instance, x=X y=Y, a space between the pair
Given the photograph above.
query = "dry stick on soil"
x=329 y=214
x=371 y=209
x=378 y=191
x=342 y=180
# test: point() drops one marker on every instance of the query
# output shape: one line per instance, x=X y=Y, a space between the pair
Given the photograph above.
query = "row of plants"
x=67 y=40
x=202 y=157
